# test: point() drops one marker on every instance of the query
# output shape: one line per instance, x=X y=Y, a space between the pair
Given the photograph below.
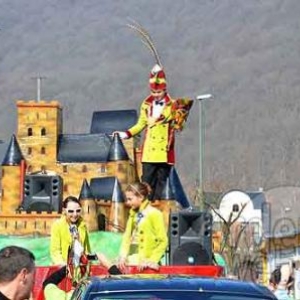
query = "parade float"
x=43 y=165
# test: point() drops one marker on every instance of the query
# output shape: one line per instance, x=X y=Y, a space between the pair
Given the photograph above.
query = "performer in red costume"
x=160 y=116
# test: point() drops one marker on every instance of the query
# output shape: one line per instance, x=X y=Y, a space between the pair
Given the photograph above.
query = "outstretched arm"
x=112 y=269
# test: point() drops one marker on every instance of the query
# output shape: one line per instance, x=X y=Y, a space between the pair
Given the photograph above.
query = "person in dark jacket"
x=17 y=272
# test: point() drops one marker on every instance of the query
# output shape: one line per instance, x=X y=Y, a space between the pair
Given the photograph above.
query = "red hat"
x=157 y=79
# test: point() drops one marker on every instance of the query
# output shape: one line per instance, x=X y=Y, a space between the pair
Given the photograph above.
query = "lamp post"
x=201 y=145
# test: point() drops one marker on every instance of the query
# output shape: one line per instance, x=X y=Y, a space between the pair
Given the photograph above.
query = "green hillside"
x=244 y=53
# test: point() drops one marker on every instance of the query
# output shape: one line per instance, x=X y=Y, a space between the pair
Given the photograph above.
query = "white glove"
x=122 y=134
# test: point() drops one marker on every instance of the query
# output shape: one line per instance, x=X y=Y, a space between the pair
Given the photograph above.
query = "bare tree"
x=238 y=246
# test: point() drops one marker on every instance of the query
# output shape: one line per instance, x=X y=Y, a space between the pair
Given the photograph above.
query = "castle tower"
x=39 y=125
x=119 y=161
x=116 y=220
x=13 y=171
x=88 y=204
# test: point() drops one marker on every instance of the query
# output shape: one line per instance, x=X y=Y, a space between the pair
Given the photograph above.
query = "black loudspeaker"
x=42 y=193
x=190 y=236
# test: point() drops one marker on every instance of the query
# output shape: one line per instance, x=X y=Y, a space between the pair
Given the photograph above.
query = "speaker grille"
x=190 y=236
x=191 y=253
x=42 y=193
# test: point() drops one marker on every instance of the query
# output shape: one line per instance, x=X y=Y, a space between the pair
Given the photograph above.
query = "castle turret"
x=88 y=204
x=168 y=203
x=119 y=161
x=13 y=171
x=116 y=220
x=117 y=150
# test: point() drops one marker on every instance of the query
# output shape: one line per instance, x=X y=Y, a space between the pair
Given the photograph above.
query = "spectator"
x=281 y=281
x=17 y=272
x=145 y=240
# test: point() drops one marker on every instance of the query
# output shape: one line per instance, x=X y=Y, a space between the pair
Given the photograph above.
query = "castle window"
x=37 y=116
x=103 y=169
x=43 y=150
x=121 y=168
x=43 y=131
x=29 y=151
x=65 y=169
x=235 y=208
x=65 y=188
x=29 y=132
x=84 y=169
x=3 y=172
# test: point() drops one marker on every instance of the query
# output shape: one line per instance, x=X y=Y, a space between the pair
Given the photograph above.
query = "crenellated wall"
x=27 y=224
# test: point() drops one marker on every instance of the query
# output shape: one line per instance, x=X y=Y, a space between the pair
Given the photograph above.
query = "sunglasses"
x=71 y=211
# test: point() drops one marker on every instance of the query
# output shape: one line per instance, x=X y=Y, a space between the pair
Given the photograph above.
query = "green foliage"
x=105 y=242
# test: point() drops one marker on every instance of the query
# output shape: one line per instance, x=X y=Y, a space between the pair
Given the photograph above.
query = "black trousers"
x=156 y=174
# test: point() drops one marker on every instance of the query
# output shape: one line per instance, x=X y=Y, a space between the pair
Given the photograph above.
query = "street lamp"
x=201 y=141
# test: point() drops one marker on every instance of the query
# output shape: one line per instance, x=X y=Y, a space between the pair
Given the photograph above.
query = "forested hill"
x=245 y=53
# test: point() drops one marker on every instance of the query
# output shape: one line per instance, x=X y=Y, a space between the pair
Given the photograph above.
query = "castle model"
x=43 y=165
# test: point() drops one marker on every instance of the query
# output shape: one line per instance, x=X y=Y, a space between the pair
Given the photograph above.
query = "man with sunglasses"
x=69 y=232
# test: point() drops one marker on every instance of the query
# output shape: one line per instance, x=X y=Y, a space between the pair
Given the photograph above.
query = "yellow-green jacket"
x=159 y=140
x=53 y=292
x=151 y=234
x=61 y=239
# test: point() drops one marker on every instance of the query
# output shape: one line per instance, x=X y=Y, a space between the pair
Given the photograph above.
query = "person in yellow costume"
x=70 y=230
x=145 y=239
x=160 y=117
